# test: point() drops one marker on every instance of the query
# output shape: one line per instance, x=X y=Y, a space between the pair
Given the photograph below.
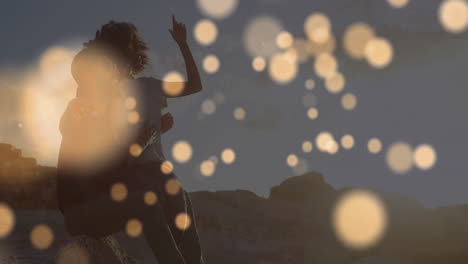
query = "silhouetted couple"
x=111 y=170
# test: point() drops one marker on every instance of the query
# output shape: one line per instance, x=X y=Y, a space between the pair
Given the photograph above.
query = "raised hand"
x=178 y=32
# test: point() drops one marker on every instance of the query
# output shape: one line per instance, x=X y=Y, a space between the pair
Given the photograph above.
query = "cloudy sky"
x=420 y=98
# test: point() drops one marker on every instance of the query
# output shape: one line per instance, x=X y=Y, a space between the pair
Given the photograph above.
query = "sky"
x=420 y=98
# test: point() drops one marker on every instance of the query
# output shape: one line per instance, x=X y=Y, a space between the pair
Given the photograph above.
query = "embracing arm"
x=193 y=84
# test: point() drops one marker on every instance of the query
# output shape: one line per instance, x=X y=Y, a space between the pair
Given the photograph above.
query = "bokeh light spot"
x=42 y=236
x=347 y=141
x=173 y=83
x=173 y=186
x=374 y=145
x=307 y=146
x=118 y=192
x=217 y=9
x=150 y=198
x=400 y=157
x=282 y=68
x=258 y=64
x=425 y=157
x=167 y=167
x=312 y=113
x=379 y=52
x=292 y=160
x=325 y=65
x=7 y=220
x=182 y=151
x=453 y=15
x=356 y=38
x=239 y=113
x=134 y=227
x=317 y=27
x=349 y=101
x=183 y=221
x=211 y=64
x=228 y=156
x=335 y=83
x=359 y=219
x=207 y=168
x=205 y=32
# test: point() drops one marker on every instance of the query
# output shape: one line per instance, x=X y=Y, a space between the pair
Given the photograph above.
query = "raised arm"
x=193 y=83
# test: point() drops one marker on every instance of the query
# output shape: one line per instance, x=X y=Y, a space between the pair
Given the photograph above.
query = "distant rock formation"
x=293 y=225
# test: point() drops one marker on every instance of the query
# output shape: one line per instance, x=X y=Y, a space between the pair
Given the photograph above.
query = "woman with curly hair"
x=115 y=56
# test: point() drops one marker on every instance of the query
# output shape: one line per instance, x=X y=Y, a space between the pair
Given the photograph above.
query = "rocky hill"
x=292 y=225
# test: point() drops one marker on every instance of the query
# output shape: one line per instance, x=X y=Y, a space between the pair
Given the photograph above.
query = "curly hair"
x=125 y=43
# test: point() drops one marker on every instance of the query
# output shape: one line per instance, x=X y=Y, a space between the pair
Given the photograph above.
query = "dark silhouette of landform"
x=292 y=225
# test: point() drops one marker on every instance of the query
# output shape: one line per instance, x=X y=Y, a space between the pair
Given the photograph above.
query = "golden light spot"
x=310 y=84
x=135 y=150
x=205 y=32
x=134 y=227
x=315 y=49
x=307 y=146
x=313 y=113
x=182 y=151
x=150 y=198
x=453 y=15
x=335 y=83
x=42 y=236
x=239 y=113
x=72 y=253
x=228 y=156
x=173 y=83
x=173 y=186
x=356 y=38
x=400 y=157
x=347 y=141
x=359 y=219
x=425 y=157
x=317 y=27
x=130 y=103
x=324 y=141
x=207 y=168
x=333 y=147
x=133 y=117
x=182 y=221
x=292 y=160
x=284 y=40
x=282 y=68
x=211 y=64
x=325 y=65
x=167 y=167
x=349 y=101
x=379 y=52
x=292 y=54
x=374 y=145
x=260 y=36
x=7 y=220
x=118 y=192
x=218 y=9
x=398 y=3
x=259 y=64
x=208 y=107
